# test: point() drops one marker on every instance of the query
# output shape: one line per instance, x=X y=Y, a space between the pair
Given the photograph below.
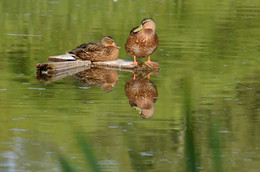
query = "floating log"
x=61 y=58
x=126 y=65
x=65 y=65
x=53 y=71
x=57 y=67
x=119 y=64
x=146 y=67
x=59 y=74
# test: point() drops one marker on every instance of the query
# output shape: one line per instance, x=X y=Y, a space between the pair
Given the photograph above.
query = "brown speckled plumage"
x=142 y=40
x=107 y=50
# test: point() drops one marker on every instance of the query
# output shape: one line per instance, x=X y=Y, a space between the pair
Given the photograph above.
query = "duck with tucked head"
x=142 y=40
x=107 y=50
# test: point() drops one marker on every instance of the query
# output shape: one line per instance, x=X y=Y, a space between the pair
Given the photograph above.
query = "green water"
x=207 y=115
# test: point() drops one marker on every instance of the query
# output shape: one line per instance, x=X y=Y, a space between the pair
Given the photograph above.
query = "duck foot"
x=134 y=63
x=149 y=60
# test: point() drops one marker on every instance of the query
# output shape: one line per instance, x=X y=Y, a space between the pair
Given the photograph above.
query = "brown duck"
x=107 y=50
x=142 y=94
x=142 y=40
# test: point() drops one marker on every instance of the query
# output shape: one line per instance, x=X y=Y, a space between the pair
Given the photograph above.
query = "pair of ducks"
x=141 y=42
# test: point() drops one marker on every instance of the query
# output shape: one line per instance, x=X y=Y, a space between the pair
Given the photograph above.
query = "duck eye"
x=145 y=22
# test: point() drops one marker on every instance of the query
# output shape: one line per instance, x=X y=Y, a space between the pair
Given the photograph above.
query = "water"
x=207 y=113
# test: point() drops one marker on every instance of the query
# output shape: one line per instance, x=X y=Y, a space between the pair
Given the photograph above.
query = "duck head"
x=109 y=41
x=147 y=23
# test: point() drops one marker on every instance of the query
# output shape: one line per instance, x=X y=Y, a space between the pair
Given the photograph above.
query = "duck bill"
x=138 y=109
x=138 y=29
x=116 y=46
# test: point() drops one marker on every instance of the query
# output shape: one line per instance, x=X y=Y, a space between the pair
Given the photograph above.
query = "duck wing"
x=87 y=47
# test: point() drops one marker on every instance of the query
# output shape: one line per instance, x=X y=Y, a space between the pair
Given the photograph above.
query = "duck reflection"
x=142 y=94
x=106 y=78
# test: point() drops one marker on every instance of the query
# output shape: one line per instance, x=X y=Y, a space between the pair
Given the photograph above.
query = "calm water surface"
x=206 y=117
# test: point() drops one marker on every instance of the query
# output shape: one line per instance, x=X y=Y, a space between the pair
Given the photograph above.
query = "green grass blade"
x=88 y=153
x=65 y=165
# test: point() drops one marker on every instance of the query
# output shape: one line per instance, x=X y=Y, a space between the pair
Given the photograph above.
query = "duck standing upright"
x=107 y=50
x=142 y=40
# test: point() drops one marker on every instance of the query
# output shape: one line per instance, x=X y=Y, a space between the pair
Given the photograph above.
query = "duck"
x=106 y=50
x=142 y=40
x=105 y=78
x=142 y=93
